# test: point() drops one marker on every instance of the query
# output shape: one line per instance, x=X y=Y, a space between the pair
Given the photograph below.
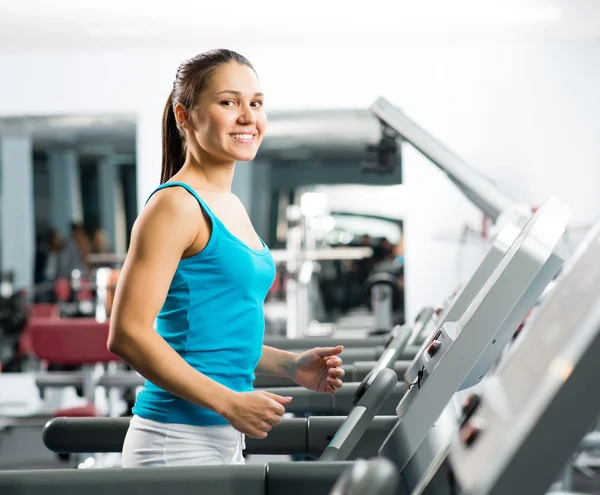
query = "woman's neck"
x=213 y=176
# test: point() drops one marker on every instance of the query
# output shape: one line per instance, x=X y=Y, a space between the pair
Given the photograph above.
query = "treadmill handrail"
x=71 y=435
x=421 y=321
x=387 y=359
x=394 y=349
x=478 y=189
x=357 y=422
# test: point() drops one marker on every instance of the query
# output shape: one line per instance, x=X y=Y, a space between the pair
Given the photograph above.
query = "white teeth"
x=242 y=136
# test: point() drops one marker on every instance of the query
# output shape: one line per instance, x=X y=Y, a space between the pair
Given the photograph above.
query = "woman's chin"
x=244 y=157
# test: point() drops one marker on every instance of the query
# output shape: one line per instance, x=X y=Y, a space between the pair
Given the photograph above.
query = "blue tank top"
x=213 y=317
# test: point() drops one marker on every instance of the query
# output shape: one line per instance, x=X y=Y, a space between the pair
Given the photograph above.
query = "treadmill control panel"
x=432 y=352
x=497 y=310
x=498 y=426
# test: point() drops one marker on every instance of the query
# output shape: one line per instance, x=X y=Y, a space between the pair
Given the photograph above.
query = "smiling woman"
x=197 y=267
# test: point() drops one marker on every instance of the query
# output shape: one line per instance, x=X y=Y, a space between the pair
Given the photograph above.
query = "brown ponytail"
x=172 y=143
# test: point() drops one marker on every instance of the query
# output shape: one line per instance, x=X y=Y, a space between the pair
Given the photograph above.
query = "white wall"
x=529 y=115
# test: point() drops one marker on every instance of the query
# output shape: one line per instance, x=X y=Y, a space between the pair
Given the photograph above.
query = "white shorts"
x=151 y=444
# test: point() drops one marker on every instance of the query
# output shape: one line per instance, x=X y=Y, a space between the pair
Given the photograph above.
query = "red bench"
x=75 y=342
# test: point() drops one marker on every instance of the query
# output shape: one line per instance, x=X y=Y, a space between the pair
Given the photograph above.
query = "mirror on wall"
x=80 y=174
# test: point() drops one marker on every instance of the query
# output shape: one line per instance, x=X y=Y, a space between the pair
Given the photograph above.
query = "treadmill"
x=521 y=428
x=508 y=295
x=521 y=276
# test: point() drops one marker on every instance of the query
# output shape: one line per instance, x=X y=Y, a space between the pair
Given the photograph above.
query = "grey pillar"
x=112 y=201
x=17 y=215
x=65 y=189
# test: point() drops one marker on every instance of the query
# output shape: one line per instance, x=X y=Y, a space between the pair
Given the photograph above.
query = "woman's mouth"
x=243 y=138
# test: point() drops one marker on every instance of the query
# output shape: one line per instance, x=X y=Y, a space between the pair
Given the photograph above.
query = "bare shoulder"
x=173 y=200
x=170 y=215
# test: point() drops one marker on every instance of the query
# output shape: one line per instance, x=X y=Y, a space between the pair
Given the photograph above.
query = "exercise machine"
x=507 y=296
x=517 y=432
x=372 y=477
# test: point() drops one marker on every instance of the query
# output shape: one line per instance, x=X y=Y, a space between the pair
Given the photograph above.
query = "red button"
x=433 y=347
x=469 y=407
x=468 y=434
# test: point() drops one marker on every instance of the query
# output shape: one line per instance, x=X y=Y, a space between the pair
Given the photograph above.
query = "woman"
x=196 y=267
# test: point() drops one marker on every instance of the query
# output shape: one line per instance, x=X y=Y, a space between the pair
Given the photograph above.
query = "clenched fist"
x=255 y=413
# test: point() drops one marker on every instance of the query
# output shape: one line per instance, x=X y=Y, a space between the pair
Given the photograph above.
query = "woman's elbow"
x=118 y=339
x=112 y=344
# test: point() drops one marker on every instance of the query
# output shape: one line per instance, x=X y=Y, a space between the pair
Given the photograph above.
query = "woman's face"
x=229 y=121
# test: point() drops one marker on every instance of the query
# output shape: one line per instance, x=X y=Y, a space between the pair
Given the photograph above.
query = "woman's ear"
x=182 y=116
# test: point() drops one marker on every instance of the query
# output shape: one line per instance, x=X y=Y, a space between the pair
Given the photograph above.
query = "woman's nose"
x=246 y=115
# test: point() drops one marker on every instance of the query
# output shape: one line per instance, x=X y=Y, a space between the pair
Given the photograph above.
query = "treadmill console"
x=525 y=420
x=460 y=353
x=529 y=265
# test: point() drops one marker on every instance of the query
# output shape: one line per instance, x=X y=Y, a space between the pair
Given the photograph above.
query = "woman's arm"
x=275 y=362
x=166 y=228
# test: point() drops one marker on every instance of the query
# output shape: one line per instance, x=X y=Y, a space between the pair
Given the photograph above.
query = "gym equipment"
x=468 y=348
x=303 y=297
x=478 y=189
x=293 y=436
x=310 y=342
x=509 y=218
x=339 y=404
x=340 y=446
x=72 y=341
x=370 y=350
x=512 y=225
x=384 y=293
x=372 y=477
x=290 y=478
x=521 y=427
x=516 y=282
x=420 y=330
x=302 y=292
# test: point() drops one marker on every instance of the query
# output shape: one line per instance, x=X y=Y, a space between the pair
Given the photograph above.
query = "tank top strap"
x=202 y=203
